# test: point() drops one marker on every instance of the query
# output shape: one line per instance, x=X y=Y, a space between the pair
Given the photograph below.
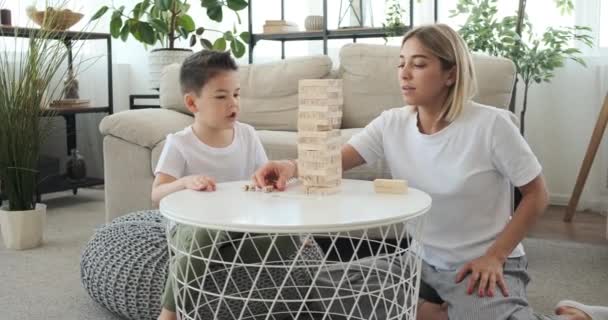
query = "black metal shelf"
x=62 y=182
x=350 y=33
x=51 y=112
x=56 y=35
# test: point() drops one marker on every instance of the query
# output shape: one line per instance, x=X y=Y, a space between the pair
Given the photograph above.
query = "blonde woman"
x=466 y=156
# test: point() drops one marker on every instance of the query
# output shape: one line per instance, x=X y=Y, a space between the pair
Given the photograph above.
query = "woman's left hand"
x=486 y=272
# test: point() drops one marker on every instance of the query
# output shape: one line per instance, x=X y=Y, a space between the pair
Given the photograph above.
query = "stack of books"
x=280 y=26
x=70 y=103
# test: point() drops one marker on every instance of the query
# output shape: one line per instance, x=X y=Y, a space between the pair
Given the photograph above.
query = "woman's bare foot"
x=432 y=311
x=572 y=313
x=167 y=315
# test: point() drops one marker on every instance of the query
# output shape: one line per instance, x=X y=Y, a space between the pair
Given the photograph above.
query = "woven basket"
x=56 y=20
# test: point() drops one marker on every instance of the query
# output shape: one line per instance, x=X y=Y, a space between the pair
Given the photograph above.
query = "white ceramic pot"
x=159 y=58
x=313 y=23
x=23 y=229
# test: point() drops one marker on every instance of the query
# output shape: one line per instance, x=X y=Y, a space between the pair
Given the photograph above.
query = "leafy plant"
x=393 y=24
x=164 y=21
x=27 y=68
x=536 y=57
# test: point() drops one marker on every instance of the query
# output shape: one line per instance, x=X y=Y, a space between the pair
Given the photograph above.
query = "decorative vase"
x=70 y=86
x=23 y=229
x=76 y=168
x=160 y=58
x=5 y=17
x=313 y=23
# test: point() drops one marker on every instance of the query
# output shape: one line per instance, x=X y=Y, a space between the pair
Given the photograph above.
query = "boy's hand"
x=274 y=173
x=199 y=183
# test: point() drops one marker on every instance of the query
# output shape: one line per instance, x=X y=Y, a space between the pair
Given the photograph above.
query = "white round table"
x=239 y=254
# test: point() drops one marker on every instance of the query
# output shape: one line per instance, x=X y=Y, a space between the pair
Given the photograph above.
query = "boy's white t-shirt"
x=185 y=154
x=468 y=169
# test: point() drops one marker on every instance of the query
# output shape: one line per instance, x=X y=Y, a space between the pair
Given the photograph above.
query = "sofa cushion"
x=144 y=127
x=369 y=74
x=283 y=145
x=269 y=91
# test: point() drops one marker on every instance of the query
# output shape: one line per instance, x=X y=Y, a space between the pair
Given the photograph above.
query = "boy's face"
x=217 y=104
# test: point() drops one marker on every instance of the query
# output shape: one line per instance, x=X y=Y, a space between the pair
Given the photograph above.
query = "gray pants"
x=440 y=284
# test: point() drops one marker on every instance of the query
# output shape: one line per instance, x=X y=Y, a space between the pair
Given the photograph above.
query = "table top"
x=355 y=207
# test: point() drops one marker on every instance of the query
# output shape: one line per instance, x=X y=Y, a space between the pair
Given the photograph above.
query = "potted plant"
x=165 y=21
x=27 y=67
x=536 y=57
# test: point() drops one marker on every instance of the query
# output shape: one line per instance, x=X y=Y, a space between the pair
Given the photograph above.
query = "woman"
x=466 y=156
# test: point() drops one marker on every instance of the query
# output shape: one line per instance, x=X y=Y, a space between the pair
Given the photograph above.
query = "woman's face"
x=422 y=79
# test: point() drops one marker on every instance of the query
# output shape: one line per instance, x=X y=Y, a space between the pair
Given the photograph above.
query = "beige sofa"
x=134 y=139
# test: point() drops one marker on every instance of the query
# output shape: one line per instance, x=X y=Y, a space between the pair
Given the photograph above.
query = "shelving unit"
x=325 y=34
x=61 y=182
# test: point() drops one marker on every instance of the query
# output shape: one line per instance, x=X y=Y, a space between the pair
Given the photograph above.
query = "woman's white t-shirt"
x=468 y=168
x=185 y=154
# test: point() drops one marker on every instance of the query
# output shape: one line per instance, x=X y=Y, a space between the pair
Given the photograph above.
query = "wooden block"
x=311 y=180
x=319 y=125
x=331 y=171
x=320 y=102
x=328 y=146
x=321 y=82
x=321 y=190
x=314 y=115
x=321 y=108
x=390 y=186
x=314 y=155
x=319 y=134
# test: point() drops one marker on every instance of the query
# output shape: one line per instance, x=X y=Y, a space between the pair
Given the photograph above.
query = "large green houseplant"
x=28 y=66
x=153 y=22
x=536 y=57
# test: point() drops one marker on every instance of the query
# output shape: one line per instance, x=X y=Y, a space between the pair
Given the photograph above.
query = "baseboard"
x=598 y=205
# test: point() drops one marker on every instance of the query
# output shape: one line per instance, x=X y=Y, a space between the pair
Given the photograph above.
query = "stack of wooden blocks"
x=319 y=120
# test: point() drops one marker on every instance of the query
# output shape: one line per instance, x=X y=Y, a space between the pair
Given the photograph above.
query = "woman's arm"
x=488 y=269
x=533 y=203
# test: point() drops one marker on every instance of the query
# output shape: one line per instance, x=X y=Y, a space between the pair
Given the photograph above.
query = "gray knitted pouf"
x=124 y=266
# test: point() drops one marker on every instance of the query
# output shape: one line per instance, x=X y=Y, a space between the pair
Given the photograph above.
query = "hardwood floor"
x=587 y=227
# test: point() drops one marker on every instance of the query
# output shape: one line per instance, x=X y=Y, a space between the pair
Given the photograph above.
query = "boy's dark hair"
x=201 y=66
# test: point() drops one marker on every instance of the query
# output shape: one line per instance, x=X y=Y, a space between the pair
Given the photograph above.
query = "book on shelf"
x=70 y=103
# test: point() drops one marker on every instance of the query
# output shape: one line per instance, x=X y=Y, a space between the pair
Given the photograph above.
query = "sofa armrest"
x=145 y=127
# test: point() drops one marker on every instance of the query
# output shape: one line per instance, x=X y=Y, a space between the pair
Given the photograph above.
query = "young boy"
x=215 y=148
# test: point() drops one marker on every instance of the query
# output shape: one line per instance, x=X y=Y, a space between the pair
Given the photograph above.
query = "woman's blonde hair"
x=445 y=43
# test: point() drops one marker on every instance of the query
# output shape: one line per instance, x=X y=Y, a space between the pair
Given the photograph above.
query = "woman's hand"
x=275 y=173
x=198 y=183
x=486 y=273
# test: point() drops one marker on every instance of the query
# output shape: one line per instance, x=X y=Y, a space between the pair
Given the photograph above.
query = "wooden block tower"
x=319 y=119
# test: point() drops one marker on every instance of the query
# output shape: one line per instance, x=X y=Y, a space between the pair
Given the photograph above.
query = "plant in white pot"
x=165 y=21
x=27 y=69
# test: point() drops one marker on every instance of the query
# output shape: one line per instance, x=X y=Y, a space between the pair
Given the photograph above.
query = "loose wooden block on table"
x=395 y=186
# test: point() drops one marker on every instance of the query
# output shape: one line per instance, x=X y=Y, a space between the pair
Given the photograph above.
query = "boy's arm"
x=165 y=184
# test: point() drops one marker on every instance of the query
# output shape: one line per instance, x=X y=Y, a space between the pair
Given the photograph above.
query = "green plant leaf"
x=237 y=5
x=215 y=14
x=228 y=36
x=237 y=48
x=124 y=32
x=192 y=40
x=165 y=5
x=159 y=25
x=206 y=44
x=219 y=44
x=245 y=36
x=100 y=13
x=186 y=22
x=200 y=30
x=115 y=25
x=147 y=33
x=210 y=3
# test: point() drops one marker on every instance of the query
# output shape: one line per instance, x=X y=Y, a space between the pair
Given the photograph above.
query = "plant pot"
x=159 y=58
x=23 y=229
x=313 y=23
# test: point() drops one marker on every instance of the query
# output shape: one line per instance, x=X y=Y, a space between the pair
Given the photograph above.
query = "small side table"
x=298 y=285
